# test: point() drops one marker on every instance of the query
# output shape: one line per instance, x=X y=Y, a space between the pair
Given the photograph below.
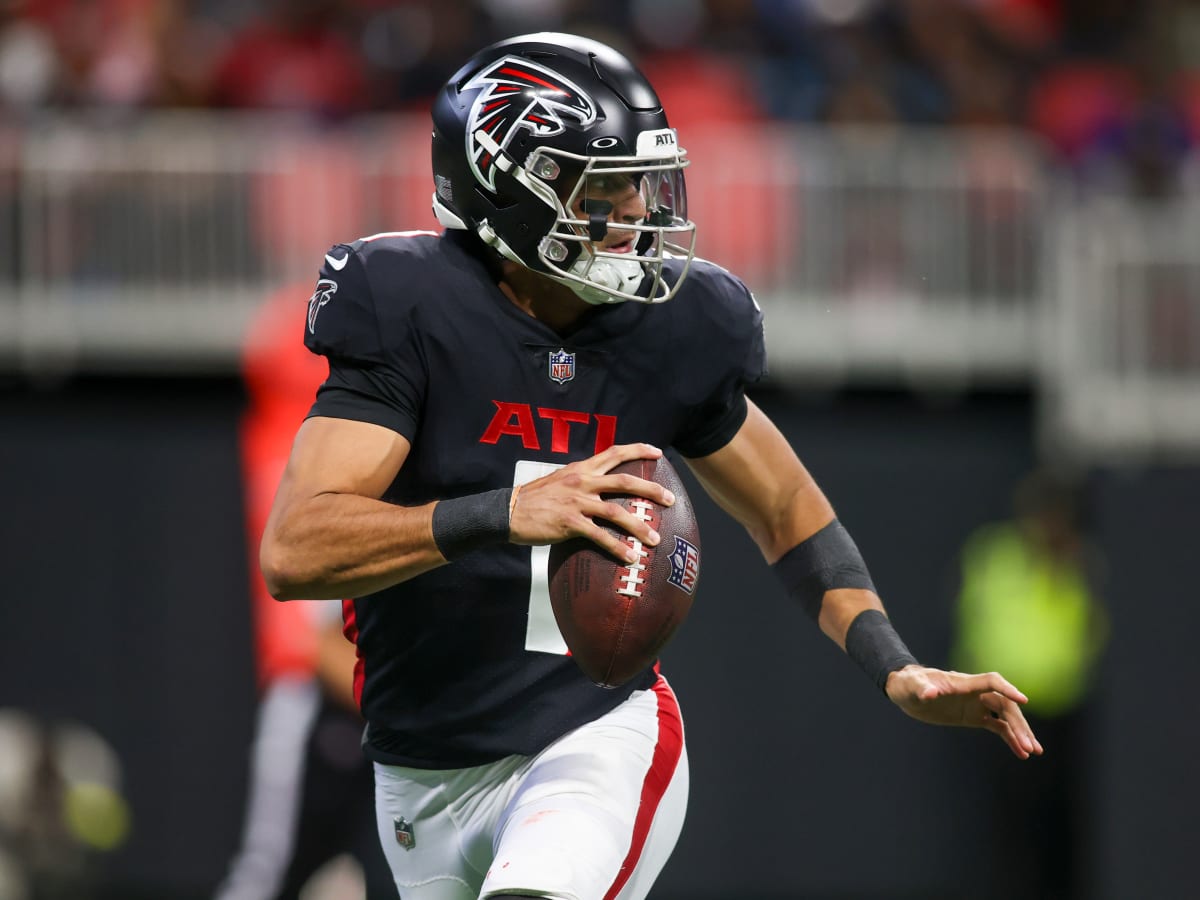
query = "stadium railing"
x=1119 y=365
x=931 y=259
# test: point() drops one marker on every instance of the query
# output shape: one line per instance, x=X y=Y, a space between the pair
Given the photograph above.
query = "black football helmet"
x=535 y=138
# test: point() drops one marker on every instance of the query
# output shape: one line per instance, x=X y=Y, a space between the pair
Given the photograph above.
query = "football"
x=614 y=616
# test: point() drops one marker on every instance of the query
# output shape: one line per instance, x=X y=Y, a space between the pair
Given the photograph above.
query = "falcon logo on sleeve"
x=520 y=94
x=322 y=295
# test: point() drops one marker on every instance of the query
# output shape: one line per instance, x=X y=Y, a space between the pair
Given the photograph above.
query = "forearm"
x=840 y=607
x=827 y=576
x=338 y=545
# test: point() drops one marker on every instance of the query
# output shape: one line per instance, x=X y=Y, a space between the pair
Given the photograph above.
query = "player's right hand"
x=986 y=701
x=567 y=504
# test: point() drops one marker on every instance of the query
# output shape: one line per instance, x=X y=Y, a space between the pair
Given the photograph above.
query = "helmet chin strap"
x=615 y=274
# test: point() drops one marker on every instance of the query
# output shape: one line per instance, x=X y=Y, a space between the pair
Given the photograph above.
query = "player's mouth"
x=625 y=246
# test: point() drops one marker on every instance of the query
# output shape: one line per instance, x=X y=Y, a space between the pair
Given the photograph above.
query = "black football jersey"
x=464 y=664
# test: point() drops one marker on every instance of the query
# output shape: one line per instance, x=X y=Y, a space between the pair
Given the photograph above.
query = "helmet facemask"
x=616 y=222
x=576 y=249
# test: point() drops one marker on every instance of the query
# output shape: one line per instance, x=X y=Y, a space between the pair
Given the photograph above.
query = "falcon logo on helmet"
x=520 y=94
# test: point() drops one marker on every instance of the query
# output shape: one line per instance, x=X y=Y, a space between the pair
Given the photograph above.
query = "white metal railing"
x=151 y=243
x=922 y=257
x=913 y=255
x=1120 y=368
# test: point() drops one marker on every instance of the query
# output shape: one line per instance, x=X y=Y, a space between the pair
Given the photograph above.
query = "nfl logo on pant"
x=404 y=833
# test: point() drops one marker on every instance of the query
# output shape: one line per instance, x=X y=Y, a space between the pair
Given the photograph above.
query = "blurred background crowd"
x=1100 y=80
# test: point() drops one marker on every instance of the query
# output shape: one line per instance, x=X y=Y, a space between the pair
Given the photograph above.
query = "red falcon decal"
x=517 y=93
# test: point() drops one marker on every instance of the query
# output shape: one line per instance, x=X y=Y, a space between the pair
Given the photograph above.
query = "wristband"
x=824 y=562
x=872 y=642
x=463 y=524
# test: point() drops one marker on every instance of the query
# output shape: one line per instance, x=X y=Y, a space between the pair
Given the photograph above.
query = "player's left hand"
x=971 y=701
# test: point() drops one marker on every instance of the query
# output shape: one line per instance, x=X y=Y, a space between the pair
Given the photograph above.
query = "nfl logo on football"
x=685 y=565
x=562 y=366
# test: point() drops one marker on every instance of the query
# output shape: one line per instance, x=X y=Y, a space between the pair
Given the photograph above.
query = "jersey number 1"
x=541 y=631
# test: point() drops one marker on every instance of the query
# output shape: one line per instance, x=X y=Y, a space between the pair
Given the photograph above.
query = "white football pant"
x=594 y=816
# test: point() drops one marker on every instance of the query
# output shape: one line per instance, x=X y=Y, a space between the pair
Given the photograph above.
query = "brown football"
x=616 y=617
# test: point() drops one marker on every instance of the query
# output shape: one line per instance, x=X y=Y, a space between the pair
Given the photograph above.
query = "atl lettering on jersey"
x=516 y=419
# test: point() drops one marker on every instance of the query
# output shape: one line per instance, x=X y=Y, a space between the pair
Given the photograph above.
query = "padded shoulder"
x=343 y=314
x=726 y=322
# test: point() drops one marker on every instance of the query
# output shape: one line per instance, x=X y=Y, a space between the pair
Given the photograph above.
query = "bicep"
x=340 y=456
x=758 y=479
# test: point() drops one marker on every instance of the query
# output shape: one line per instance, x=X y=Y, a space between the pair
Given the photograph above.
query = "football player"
x=482 y=384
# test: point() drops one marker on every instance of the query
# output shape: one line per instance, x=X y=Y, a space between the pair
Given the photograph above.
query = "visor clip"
x=598 y=212
x=661 y=217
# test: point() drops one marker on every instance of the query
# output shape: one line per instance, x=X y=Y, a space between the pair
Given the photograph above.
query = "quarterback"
x=482 y=384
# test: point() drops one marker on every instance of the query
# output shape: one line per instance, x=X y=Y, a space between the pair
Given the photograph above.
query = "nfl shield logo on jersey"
x=685 y=565
x=562 y=366
x=404 y=833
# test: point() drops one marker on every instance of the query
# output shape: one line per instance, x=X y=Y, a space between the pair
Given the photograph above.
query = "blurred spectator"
x=29 y=68
x=860 y=101
x=956 y=62
x=1028 y=604
x=296 y=56
x=61 y=806
x=1122 y=124
x=409 y=49
x=1100 y=27
x=1074 y=103
x=311 y=790
x=1034 y=26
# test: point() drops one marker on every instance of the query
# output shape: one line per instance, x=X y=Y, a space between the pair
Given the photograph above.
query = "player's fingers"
x=993 y=702
x=623 y=519
x=610 y=543
x=619 y=453
x=993 y=681
x=1001 y=728
x=1020 y=726
x=637 y=487
x=998 y=708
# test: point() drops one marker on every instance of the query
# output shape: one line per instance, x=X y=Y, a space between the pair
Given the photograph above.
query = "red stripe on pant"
x=662 y=768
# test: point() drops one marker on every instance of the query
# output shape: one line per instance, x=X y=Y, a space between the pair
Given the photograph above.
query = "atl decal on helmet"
x=520 y=94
